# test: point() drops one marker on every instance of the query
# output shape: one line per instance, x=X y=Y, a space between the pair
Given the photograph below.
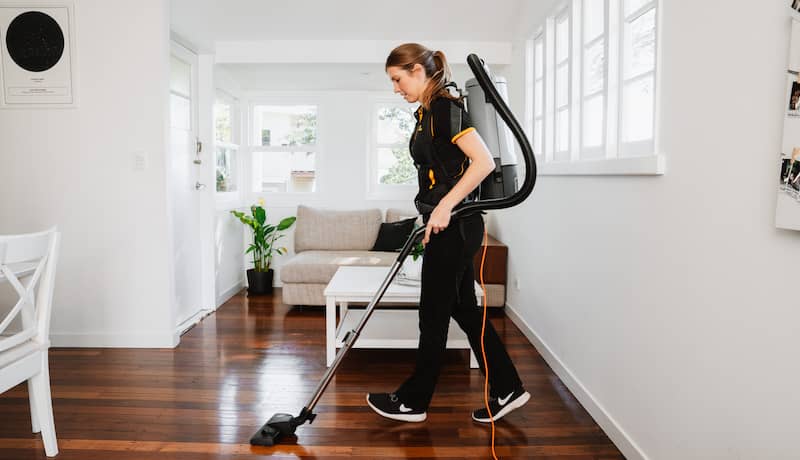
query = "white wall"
x=228 y=231
x=669 y=304
x=74 y=168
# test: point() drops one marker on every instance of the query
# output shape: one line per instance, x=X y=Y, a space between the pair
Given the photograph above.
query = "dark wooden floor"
x=256 y=357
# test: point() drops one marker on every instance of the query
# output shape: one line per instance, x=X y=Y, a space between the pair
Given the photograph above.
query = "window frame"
x=636 y=148
x=374 y=190
x=564 y=12
x=234 y=145
x=600 y=151
x=613 y=156
x=249 y=146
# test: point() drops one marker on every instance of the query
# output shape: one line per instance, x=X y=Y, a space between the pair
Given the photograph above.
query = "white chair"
x=28 y=263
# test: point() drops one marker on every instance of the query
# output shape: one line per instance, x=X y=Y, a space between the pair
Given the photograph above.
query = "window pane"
x=633 y=5
x=640 y=40
x=537 y=137
x=593 y=19
x=637 y=110
x=180 y=112
x=284 y=171
x=285 y=125
x=222 y=122
x=562 y=130
x=180 y=80
x=593 y=121
x=226 y=169
x=562 y=39
x=538 y=98
x=562 y=86
x=394 y=125
x=538 y=54
x=594 y=68
x=395 y=166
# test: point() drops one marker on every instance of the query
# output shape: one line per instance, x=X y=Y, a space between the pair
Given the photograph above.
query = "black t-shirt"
x=439 y=161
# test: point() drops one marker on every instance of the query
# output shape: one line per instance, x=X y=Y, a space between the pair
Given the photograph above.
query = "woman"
x=452 y=160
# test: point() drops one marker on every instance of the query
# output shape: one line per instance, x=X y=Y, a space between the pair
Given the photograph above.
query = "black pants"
x=448 y=289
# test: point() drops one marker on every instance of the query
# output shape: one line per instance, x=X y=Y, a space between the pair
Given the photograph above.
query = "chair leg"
x=44 y=407
x=32 y=399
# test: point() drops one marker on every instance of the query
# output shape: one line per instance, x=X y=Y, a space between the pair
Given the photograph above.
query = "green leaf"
x=286 y=223
x=260 y=214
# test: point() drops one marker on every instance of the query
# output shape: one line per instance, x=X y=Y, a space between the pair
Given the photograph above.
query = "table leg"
x=473 y=361
x=330 y=330
x=342 y=313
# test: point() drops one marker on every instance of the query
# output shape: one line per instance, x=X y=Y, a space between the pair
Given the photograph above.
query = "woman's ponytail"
x=435 y=65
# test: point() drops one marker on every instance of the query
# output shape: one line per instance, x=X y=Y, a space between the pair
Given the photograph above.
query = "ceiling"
x=325 y=77
x=201 y=23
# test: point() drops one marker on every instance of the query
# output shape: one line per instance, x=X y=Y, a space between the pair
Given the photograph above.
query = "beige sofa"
x=324 y=240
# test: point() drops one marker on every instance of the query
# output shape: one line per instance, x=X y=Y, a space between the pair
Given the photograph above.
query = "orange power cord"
x=483 y=347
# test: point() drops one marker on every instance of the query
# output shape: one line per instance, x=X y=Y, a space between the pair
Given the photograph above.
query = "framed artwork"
x=37 y=55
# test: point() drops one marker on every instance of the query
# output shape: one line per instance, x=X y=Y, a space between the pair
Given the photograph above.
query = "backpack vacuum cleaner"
x=486 y=106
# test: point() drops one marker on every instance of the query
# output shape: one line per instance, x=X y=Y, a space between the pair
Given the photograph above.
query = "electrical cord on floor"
x=483 y=347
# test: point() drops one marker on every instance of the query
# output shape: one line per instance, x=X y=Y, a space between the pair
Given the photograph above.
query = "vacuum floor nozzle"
x=278 y=426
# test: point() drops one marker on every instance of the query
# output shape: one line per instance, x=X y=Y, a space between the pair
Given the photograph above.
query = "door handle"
x=199 y=186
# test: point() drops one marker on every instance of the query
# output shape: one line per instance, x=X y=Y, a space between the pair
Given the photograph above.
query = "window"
x=562 y=83
x=392 y=171
x=226 y=147
x=592 y=79
x=536 y=105
x=284 y=148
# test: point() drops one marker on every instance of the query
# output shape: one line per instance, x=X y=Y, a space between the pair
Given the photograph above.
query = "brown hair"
x=433 y=62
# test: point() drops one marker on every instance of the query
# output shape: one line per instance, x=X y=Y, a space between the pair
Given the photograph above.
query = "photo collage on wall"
x=787 y=214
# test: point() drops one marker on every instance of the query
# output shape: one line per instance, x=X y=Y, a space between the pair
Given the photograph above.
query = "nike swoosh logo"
x=503 y=401
x=403 y=408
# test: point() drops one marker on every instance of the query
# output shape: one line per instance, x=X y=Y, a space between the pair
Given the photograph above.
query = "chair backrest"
x=28 y=263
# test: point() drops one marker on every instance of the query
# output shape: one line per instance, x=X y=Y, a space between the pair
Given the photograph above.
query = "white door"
x=184 y=185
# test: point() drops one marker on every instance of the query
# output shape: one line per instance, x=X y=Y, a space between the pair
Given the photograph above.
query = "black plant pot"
x=259 y=283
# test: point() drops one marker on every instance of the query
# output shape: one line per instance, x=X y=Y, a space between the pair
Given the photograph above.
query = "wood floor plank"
x=255 y=357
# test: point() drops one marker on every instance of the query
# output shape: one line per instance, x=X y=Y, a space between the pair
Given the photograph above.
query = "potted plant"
x=259 y=278
x=412 y=266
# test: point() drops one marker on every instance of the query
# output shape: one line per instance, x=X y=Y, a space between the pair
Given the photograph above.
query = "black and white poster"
x=36 y=67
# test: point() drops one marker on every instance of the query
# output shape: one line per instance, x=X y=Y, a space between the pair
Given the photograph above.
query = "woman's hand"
x=439 y=220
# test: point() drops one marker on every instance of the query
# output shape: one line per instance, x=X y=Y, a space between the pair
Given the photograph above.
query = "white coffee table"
x=386 y=328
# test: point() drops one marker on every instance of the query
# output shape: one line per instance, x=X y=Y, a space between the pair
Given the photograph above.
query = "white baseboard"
x=610 y=426
x=225 y=296
x=194 y=319
x=119 y=340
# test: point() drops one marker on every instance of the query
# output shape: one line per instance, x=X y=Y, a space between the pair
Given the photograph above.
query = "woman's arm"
x=481 y=164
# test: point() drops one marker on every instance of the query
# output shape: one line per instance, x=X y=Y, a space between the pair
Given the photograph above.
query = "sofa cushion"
x=393 y=235
x=335 y=230
x=395 y=214
x=319 y=266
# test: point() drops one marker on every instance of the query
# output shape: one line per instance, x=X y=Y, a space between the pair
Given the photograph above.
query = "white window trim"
x=647 y=162
x=600 y=151
x=538 y=39
x=223 y=199
x=564 y=12
x=248 y=147
x=375 y=191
